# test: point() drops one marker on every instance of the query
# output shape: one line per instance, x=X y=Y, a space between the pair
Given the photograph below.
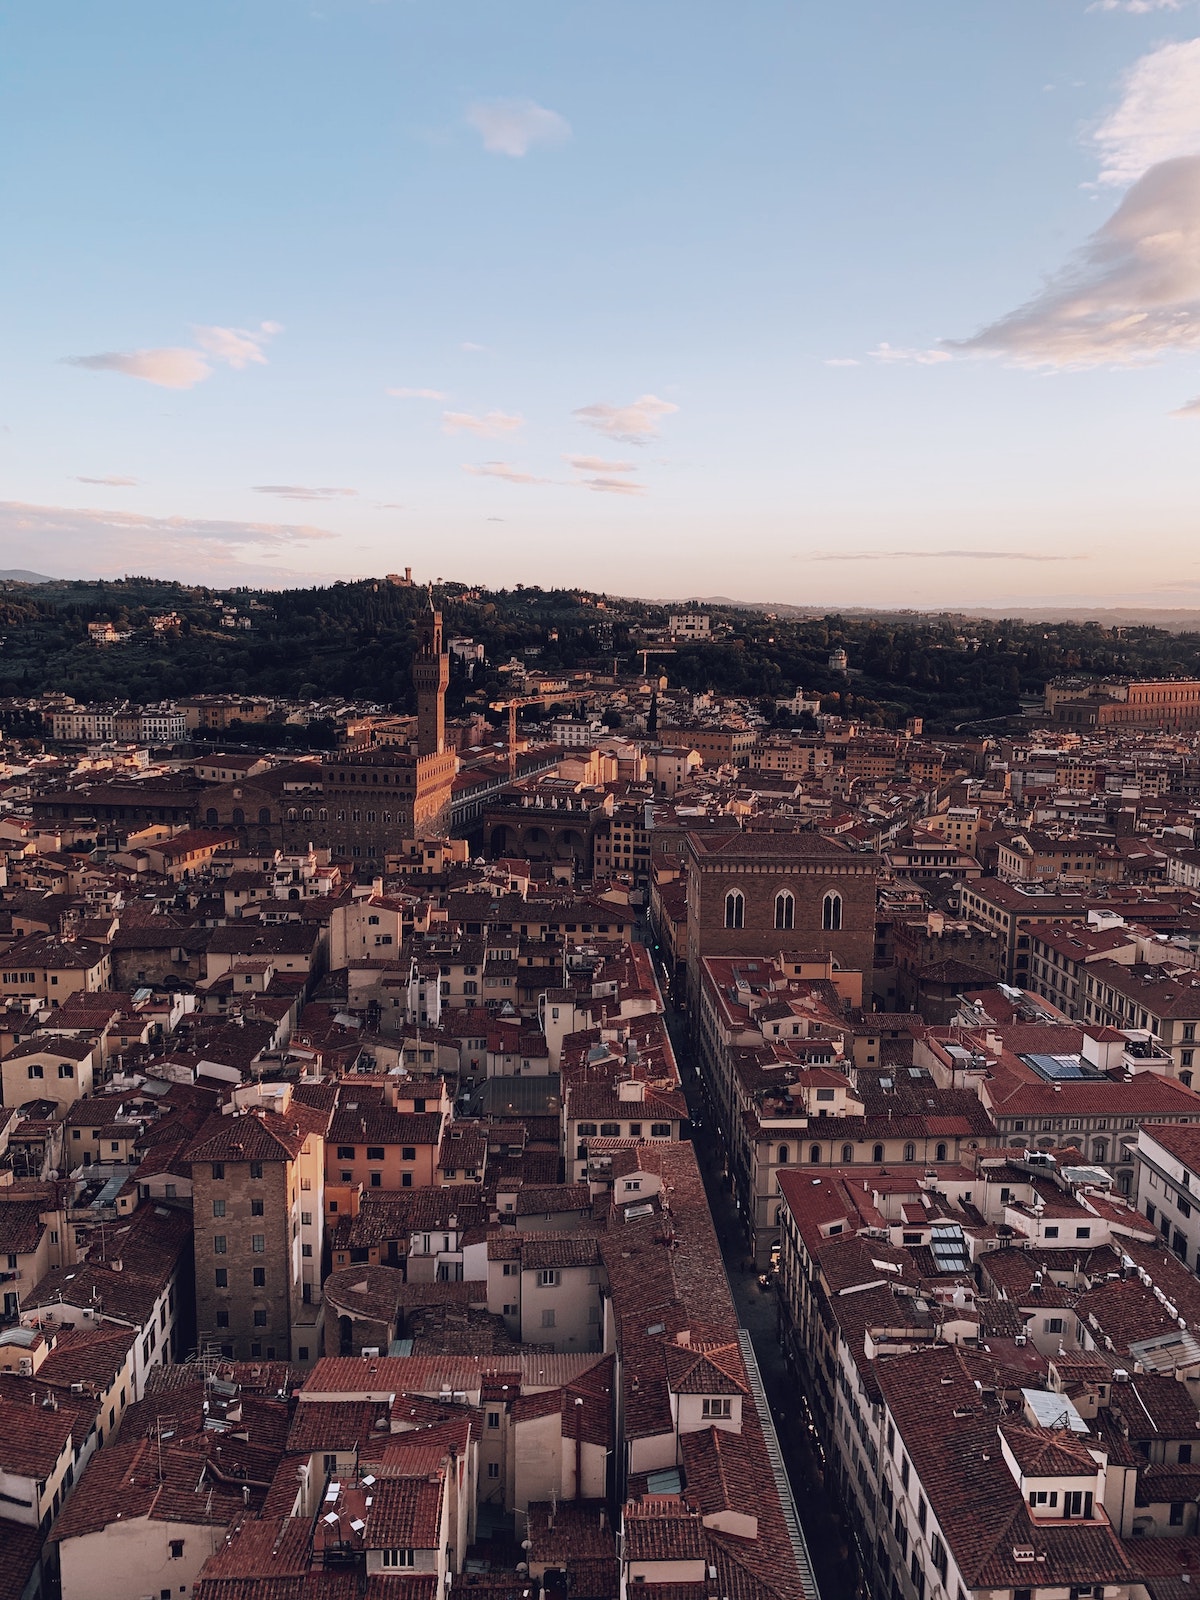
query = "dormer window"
x=716 y=1407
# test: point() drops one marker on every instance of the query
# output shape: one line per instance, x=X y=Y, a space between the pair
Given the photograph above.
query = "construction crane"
x=577 y=696
x=647 y=652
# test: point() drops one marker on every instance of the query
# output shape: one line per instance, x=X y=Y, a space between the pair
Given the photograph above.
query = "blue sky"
x=864 y=304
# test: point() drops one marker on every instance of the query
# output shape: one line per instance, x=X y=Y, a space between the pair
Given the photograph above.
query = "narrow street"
x=830 y=1547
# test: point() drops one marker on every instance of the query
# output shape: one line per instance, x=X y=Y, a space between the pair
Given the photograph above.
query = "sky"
x=860 y=304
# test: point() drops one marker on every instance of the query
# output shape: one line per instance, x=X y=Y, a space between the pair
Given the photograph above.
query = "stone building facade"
x=258 y=1205
x=768 y=894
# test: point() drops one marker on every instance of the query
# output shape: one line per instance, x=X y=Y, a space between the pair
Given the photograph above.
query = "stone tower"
x=431 y=676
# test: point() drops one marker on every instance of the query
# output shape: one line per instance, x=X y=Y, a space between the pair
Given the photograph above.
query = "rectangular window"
x=218 y=1171
x=222 y=1319
x=256 y=1208
x=547 y=1319
x=716 y=1406
x=256 y=1169
x=374 y=1152
x=260 y=1319
x=221 y=1277
x=219 y=1245
x=550 y=1278
x=218 y=1208
x=346 y=1152
x=258 y=1243
x=258 y=1277
x=937 y=1555
x=398 y=1558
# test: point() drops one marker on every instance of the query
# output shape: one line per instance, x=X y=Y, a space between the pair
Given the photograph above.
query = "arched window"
x=239 y=816
x=814 y=1154
x=306 y=814
x=910 y=1152
x=847 y=1153
x=210 y=816
x=264 y=814
x=940 y=1153
x=876 y=1152
x=781 y=1155
x=735 y=909
x=831 y=912
x=1185 y=1079
x=785 y=909
x=1100 y=1150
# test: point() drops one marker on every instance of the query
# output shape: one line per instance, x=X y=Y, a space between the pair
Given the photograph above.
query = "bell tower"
x=431 y=676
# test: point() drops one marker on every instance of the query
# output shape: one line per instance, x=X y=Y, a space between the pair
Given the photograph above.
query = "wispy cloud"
x=942 y=555
x=181 y=367
x=474 y=349
x=513 y=127
x=1158 y=117
x=505 y=470
x=603 y=485
x=842 y=361
x=94 y=540
x=237 y=347
x=1137 y=8
x=170 y=367
x=490 y=426
x=417 y=394
x=300 y=491
x=601 y=476
x=110 y=483
x=633 y=423
x=599 y=464
x=888 y=353
x=1131 y=292
x=1191 y=409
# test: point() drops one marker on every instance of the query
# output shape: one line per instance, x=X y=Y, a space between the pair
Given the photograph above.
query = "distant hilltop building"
x=800 y=704
x=694 y=625
x=467 y=651
x=103 y=633
x=839 y=661
x=1124 y=703
x=405 y=582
